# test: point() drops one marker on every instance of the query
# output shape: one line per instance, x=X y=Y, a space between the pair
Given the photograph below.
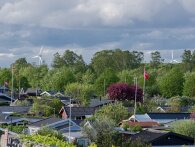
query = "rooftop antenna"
x=39 y=56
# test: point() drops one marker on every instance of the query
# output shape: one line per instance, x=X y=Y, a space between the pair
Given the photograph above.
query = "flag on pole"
x=146 y=75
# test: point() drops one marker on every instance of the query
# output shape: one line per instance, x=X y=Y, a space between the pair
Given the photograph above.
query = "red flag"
x=146 y=75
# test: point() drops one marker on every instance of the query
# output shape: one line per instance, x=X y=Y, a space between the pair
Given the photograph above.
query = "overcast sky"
x=88 y=26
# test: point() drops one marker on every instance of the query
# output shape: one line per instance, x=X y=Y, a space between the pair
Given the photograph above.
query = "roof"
x=52 y=93
x=80 y=111
x=141 y=118
x=168 y=108
x=5 y=97
x=6 y=119
x=98 y=102
x=17 y=109
x=32 y=91
x=151 y=135
x=45 y=122
x=144 y=124
x=167 y=116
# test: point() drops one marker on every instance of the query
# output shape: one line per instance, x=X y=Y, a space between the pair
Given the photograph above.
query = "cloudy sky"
x=87 y=26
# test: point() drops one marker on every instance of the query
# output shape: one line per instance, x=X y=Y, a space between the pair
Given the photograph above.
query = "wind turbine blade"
x=35 y=57
x=41 y=50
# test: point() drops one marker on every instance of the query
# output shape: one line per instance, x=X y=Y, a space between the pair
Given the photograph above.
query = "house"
x=77 y=113
x=54 y=123
x=4 y=98
x=100 y=102
x=8 y=119
x=68 y=128
x=159 y=138
x=66 y=100
x=142 y=120
x=14 y=109
x=33 y=92
x=167 y=109
x=52 y=94
x=164 y=118
x=4 y=89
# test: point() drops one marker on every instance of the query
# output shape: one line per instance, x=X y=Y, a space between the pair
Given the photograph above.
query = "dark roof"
x=148 y=135
x=182 y=109
x=6 y=118
x=169 y=115
x=17 y=109
x=98 y=102
x=33 y=92
x=45 y=122
x=78 y=122
x=79 y=111
x=5 y=98
x=156 y=137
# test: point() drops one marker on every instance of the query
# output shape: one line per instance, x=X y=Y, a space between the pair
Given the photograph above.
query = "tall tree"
x=57 y=61
x=189 y=85
x=171 y=84
x=104 y=80
x=74 y=61
x=155 y=59
x=5 y=76
x=57 y=79
x=84 y=92
x=117 y=60
x=188 y=59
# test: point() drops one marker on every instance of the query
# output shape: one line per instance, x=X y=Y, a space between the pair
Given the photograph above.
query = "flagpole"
x=12 y=85
x=144 y=86
x=135 y=83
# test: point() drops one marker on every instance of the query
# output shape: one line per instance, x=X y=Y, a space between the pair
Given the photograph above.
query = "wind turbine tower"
x=172 y=58
x=39 y=57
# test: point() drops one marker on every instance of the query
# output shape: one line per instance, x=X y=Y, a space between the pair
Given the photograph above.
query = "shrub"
x=185 y=127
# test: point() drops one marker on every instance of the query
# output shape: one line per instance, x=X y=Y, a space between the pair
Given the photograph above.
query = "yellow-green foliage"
x=44 y=140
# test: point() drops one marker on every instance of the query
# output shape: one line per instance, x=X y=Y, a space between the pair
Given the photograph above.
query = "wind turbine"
x=172 y=58
x=39 y=56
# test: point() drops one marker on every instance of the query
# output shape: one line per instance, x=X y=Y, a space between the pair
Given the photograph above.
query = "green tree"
x=100 y=131
x=155 y=59
x=171 y=84
x=117 y=112
x=188 y=59
x=56 y=105
x=74 y=61
x=57 y=61
x=84 y=92
x=57 y=79
x=189 y=85
x=117 y=60
x=104 y=80
x=5 y=75
x=125 y=76
x=88 y=77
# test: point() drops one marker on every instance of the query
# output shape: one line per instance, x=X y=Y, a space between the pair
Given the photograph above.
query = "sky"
x=88 y=26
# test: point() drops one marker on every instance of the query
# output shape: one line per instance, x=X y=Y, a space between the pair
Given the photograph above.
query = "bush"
x=185 y=127
x=48 y=131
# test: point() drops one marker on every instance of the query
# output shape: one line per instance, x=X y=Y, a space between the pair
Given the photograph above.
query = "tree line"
x=71 y=74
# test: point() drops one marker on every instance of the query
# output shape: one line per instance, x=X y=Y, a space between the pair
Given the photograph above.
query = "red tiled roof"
x=144 y=124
